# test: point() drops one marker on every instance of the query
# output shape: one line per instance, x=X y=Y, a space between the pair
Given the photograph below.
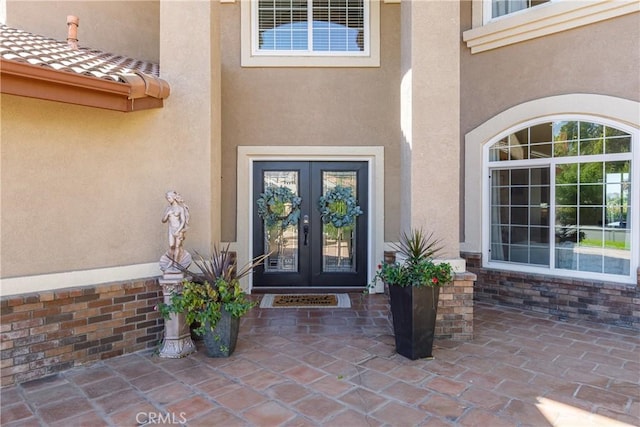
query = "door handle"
x=305 y=228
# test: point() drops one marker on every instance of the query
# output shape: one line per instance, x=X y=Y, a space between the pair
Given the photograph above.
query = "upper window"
x=310 y=33
x=561 y=197
x=505 y=7
x=310 y=26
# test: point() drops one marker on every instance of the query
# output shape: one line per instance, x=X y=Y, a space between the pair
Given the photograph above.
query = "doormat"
x=305 y=301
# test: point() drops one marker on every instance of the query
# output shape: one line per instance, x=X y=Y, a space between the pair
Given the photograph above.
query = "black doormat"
x=305 y=301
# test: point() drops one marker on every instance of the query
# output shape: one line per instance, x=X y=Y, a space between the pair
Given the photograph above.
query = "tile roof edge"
x=146 y=85
x=141 y=83
x=34 y=81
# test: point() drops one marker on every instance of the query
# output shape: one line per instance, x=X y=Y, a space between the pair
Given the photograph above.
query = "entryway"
x=312 y=217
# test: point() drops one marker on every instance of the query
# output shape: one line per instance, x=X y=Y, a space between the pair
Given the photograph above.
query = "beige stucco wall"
x=310 y=106
x=83 y=188
x=430 y=116
x=128 y=28
x=601 y=58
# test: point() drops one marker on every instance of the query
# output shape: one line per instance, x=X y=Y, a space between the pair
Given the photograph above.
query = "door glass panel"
x=338 y=231
x=281 y=228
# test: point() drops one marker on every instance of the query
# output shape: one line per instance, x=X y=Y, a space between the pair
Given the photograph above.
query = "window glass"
x=588 y=197
x=505 y=7
x=565 y=131
x=519 y=215
x=618 y=145
x=311 y=25
x=569 y=138
x=541 y=133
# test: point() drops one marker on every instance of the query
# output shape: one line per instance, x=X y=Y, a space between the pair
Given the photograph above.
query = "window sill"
x=543 y=20
x=310 y=61
x=523 y=269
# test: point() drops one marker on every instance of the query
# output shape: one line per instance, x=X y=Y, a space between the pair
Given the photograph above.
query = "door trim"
x=373 y=155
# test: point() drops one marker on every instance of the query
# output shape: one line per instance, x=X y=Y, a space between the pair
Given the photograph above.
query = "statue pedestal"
x=177 y=341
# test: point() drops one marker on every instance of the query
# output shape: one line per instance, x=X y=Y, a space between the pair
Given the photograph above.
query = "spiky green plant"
x=418 y=267
x=416 y=245
x=216 y=285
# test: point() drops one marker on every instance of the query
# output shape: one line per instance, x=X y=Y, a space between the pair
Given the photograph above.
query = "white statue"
x=177 y=215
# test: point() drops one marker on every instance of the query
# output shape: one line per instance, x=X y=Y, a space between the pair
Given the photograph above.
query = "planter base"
x=175 y=348
x=177 y=341
x=414 y=319
x=221 y=342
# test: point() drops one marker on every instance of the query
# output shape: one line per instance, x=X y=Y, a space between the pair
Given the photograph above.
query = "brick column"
x=455 y=308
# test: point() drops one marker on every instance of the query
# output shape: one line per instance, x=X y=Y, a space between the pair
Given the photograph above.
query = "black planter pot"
x=221 y=342
x=414 y=319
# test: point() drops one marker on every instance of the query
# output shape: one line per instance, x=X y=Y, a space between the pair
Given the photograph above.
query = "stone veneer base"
x=455 y=306
x=603 y=302
x=51 y=331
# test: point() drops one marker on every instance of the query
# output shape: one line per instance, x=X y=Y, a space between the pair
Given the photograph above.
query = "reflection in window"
x=584 y=187
x=519 y=215
x=281 y=239
x=311 y=25
x=505 y=7
x=339 y=243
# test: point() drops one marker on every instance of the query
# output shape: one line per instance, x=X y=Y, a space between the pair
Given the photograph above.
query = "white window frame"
x=252 y=57
x=487 y=12
x=542 y=20
x=634 y=156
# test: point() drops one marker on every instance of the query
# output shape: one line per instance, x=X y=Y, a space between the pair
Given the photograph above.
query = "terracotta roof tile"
x=22 y=46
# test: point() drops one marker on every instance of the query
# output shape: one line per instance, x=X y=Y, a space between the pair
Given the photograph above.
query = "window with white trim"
x=561 y=198
x=498 y=23
x=311 y=33
x=310 y=26
x=504 y=7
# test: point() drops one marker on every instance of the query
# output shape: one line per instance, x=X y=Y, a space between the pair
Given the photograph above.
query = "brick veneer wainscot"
x=455 y=305
x=47 y=332
x=593 y=300
x=454 y=318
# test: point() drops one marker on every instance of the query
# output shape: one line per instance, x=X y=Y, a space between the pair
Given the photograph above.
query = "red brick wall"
x=43 y=333
x=604 y=302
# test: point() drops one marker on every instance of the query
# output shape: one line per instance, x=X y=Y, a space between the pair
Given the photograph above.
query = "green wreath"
x=278 y=205
x=338 y=207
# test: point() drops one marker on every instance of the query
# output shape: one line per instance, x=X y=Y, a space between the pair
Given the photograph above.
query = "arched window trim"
x=488 y=165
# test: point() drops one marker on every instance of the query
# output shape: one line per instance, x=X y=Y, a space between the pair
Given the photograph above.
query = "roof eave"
x=141 y=92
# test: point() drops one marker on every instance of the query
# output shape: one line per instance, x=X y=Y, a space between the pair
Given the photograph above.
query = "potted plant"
x=414 y=282
x=213 y=301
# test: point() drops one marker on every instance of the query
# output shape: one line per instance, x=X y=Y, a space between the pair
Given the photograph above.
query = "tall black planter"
x=414 y=319
x=221 y=342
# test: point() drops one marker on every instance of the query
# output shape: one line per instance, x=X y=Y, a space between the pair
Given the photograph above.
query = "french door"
x=311 y=217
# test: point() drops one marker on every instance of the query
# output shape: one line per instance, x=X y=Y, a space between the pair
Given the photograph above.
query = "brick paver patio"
x=337 y=367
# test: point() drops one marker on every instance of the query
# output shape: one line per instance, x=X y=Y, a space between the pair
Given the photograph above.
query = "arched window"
x=561 y=196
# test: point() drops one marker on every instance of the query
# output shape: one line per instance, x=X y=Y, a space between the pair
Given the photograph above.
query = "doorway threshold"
x=306 y=289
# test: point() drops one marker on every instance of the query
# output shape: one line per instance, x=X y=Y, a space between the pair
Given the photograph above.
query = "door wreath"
x=279 y=205
x=338 y=207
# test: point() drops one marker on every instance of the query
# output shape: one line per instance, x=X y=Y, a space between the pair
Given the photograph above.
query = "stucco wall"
x=600 y=58
x=128 y=28
x=83 y=188
x=310 y=106
x=430 y=115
